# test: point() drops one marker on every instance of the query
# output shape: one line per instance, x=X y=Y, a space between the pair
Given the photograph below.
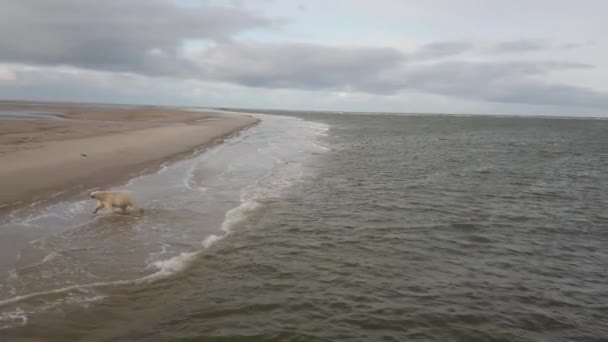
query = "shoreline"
x=53 y=166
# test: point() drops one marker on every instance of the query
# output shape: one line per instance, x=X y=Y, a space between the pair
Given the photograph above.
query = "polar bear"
x=114 y=199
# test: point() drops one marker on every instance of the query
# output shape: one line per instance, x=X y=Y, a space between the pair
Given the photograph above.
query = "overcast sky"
x=455 y=56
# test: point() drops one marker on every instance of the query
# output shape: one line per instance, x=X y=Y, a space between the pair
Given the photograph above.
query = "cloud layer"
x=147 y=38
x=143 y=36
x=304 y=66
x=389 y=71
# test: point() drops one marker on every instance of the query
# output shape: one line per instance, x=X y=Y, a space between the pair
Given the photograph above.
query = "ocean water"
x=335 y=228
x=29 y=115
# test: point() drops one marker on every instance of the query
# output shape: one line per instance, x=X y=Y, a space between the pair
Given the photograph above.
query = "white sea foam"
x=239 y=214
x=163 y=167
x=30 y=220
x=78 y=208
x=173 y=265
x=16 y=317
x=210 y=240
x=166 y=268
x=49 y=257
x=182 y=261
x=189 y=178
x=320 y=147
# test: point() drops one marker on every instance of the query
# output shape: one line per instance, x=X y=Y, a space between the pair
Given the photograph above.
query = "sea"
x=333 y=227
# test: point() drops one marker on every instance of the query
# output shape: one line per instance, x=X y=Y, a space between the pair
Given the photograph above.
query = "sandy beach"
x=59 y=150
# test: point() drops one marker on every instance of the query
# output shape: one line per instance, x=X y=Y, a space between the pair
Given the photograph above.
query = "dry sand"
x=92 y=146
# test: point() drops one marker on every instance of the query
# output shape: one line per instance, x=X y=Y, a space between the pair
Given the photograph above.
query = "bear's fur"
x=115 y=199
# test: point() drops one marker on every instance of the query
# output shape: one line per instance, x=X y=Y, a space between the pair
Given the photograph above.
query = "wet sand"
x=86 y=146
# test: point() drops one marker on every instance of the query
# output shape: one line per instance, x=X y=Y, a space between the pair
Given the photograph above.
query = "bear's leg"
x=99 y=206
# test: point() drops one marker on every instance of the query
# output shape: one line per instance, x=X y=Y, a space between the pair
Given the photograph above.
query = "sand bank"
x=96 y=146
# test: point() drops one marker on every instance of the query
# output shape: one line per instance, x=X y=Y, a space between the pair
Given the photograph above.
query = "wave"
x=49 y=257
x=16 y=317
x=166 y=268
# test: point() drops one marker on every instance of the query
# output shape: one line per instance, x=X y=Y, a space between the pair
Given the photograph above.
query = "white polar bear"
x=114 y=199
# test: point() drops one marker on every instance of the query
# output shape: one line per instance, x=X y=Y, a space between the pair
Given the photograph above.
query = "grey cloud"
x=529 y=45
x=537 y=92
x=521 y=45
x=71 y=84
x=301 y=66
x=441 y=49
x=575 y=45
x=447 y=49
x=139 y=35
x=388 y=71
x=447 y=76
x=511 y=82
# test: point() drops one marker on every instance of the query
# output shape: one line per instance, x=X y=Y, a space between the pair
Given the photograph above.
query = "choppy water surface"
x=341 y=227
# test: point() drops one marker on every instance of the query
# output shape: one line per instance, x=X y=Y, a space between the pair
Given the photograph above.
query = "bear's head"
x=93 y=194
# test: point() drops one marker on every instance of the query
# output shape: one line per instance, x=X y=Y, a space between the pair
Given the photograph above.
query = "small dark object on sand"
x=82 y=154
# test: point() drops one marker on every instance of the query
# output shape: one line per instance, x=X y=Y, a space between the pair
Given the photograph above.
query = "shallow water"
x=188 y=206
x=29 y=115
x=417 y=228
